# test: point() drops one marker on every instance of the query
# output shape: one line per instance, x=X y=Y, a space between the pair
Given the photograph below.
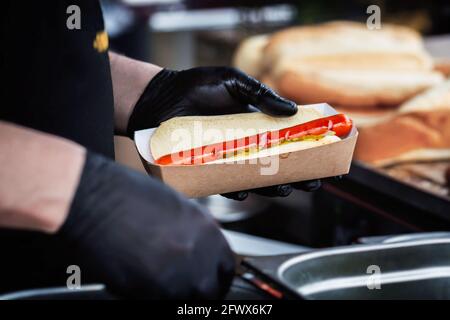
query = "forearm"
x=39 y=174
x=129 y=79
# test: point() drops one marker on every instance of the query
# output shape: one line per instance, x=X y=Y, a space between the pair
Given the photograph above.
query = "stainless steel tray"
x=406 y=270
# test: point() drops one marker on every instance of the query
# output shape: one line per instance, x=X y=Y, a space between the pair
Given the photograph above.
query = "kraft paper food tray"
x=202 y=180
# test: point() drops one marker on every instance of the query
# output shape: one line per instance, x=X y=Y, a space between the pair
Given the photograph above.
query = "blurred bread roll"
x=420 y=131
x=353 y=88
x=346 y=64
x=435 y=98
x=342 y=38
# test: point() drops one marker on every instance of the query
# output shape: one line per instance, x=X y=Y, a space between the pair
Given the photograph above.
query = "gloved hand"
x=211 y=91
x=142 y=239
x=281 y=190
x=204 y=91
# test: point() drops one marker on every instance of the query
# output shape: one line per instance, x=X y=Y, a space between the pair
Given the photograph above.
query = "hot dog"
x=339 y=125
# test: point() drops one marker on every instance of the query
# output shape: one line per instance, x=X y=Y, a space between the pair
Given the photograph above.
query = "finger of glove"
x=238 y=195
x=309 y=185
x=282 y=190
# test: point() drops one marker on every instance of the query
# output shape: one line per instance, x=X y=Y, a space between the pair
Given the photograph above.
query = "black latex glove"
x=204 y=91
x=211 y=91
x=282 y=190
x=142 y=239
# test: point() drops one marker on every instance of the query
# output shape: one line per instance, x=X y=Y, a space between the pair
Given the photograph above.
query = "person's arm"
x=129 y=79
x=145 y=94
x=125 y=229
x=39 y=174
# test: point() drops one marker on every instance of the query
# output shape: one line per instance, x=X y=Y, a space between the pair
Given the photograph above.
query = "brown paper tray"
x=208 y=179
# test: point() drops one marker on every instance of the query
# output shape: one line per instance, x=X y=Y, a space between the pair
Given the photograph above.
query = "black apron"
x=56 y=80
